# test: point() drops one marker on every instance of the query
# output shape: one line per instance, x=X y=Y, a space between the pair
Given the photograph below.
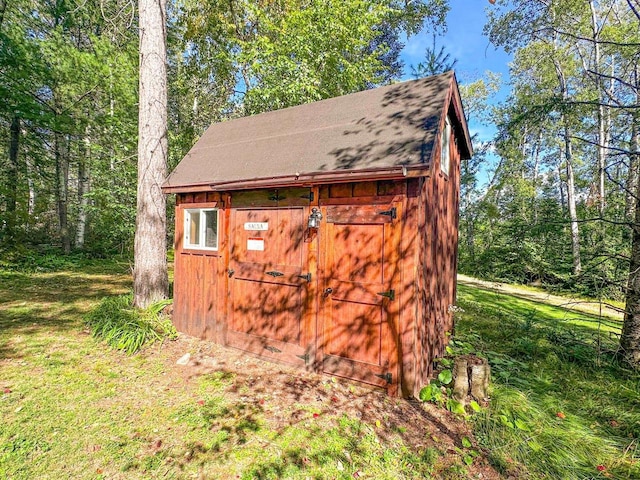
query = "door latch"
x=391 y=294
x=275 y=273
x=230 y=272
x=306 y=277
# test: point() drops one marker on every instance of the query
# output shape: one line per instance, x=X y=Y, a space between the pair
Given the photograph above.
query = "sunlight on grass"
x=562 y=406
x=71 y=407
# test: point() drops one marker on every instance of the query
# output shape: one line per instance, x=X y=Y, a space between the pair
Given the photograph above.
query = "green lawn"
x=562 y=406
x=71 y=407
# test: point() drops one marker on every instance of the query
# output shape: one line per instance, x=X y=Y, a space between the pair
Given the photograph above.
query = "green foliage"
x=445 y=377
x=126 y=328
x=560 y=403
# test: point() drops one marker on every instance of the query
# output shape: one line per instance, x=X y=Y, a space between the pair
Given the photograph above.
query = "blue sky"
x=465 y=42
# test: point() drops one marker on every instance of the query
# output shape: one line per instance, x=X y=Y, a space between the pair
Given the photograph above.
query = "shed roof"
x=385 y=132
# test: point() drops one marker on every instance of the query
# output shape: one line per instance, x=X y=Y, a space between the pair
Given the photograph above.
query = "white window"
x=201 y=228
x=445 y=159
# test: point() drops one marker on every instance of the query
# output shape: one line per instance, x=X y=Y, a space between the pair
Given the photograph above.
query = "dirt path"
x=574 y=303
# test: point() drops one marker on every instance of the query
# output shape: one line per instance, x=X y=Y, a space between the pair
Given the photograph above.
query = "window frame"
x=445 y=148
x=186 y=236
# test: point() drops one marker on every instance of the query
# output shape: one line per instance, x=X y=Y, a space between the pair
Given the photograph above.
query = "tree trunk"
x=630 y=338
x=83 y=190
x=62 y=191
x=571 y=191
x=150 y=277
x=563 y=205
x=12 y=177
x=633 y=174
x=571 y=203
x=31 y=205
x=603 y=114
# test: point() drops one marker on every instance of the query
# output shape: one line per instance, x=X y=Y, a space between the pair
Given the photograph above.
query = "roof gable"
x=391 y=128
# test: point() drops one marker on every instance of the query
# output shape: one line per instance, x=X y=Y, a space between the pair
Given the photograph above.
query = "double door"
x=338 y=319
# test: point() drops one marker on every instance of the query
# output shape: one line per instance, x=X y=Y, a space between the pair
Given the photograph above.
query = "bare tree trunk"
x=603 y=114
x=83 y=190
x=630 y=338
x=62 y=191
x=150 y=277
x=633 y=176
x=563 y=205
x=634 y=173
x=571 y=203
x=12 y=177
x=31 y=205
x=571 y=191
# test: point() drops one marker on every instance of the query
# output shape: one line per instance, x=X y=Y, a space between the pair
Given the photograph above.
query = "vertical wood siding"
x=423 y=271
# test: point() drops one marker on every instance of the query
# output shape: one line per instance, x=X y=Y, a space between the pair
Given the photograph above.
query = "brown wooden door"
x=268 y=283
x=358 y=300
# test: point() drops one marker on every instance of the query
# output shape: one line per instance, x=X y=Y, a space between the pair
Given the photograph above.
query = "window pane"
x=211 y=225
x=444 y=147
x=194 y=231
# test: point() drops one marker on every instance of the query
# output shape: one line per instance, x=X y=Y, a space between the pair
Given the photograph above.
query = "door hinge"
x=306 y=277
x=308 y=197
x=230 y=272
x=275 y=273
x=304 y=357
x=391 y=294
x=392 y=213
x=272 y=349
x=386 y=376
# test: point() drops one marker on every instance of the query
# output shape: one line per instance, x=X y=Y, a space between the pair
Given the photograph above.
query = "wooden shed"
x=325 y=235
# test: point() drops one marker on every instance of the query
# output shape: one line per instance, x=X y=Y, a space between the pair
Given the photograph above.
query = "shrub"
x=127 y=328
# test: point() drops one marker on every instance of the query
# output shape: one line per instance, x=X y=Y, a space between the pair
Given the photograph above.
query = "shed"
x=325 y=235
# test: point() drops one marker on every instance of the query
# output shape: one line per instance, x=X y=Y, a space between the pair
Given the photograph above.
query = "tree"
x=595 y=52
x=150 y=278
x=436 y=62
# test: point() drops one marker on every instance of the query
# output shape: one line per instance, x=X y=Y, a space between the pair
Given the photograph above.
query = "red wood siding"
x=420 y=258
x=196 y=305
x=437 y=262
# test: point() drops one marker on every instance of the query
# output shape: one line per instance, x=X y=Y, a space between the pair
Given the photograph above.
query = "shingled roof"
x=387 y=132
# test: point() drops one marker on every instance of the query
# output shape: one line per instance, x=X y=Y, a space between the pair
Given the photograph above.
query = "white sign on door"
x=256 y=226
x=255 y=243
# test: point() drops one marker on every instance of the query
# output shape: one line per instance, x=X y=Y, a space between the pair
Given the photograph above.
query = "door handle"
x=328 y=291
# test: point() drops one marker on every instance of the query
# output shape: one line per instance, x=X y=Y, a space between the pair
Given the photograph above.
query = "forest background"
x=560 y=208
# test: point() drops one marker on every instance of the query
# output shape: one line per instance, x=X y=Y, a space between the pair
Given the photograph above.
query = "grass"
x=562 y=406
x=72 y=407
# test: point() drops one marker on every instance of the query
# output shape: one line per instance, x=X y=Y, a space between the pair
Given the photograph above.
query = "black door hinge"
x=304 y=357
x=272 y=349
x=275 y=273
x=391 y=294
x=306 y=277
x=392 y=213
x=386 y=376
